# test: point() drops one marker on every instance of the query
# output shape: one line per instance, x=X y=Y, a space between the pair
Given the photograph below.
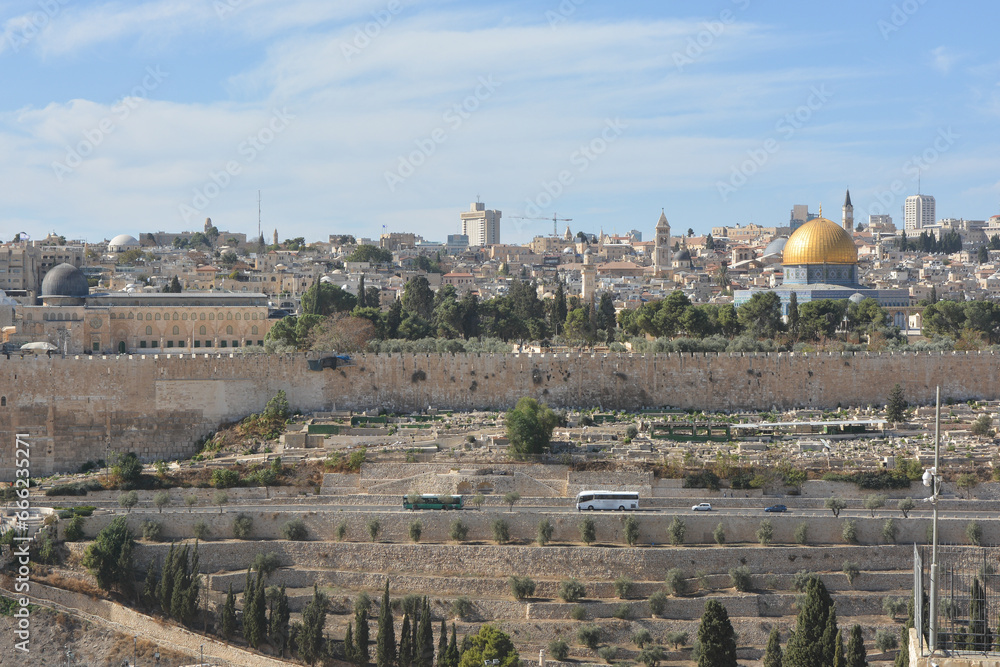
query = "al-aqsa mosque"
x=820 y=261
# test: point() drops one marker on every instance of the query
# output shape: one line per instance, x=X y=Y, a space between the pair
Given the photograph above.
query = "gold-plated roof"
x=820 y=241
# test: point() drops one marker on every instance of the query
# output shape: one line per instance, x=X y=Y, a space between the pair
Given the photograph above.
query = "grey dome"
x=683 y=256
x=121 y=242
x=776 y=246
x=65 y=280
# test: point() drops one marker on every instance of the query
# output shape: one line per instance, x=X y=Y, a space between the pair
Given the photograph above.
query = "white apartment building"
x=919 y=212
x=481 y=226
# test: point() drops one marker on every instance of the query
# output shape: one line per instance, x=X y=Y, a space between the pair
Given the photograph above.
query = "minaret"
x=848 y=214
x=661 y=255
x=275 y=236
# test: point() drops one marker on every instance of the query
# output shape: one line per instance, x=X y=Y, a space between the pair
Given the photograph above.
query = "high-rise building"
x=481 y=226
x=919 y=212
x=800 y=215
x=661 y=253
x=881 y=223
x=847 y=219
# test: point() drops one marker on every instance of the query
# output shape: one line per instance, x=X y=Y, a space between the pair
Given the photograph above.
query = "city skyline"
x=156 y=115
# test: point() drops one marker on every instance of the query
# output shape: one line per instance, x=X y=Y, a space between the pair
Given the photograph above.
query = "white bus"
x=607 y=500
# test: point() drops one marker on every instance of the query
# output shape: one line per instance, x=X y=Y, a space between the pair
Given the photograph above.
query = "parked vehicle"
x=702 y=507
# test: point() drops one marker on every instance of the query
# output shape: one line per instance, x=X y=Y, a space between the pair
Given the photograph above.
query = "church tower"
x=847 y=220
x=661 y=255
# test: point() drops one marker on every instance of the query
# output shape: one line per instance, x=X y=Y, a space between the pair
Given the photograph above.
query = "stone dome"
x=776 y=246
x=820 y=241
x=122 y=242
x=683 y=255
x=65 y=280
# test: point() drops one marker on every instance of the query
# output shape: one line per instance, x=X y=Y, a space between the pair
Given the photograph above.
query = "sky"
x=369 y=116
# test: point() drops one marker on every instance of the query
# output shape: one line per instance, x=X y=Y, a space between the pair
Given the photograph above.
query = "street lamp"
x=135 y=644
x=932 y=478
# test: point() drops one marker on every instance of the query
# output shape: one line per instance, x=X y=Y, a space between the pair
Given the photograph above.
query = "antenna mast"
x=259 y=233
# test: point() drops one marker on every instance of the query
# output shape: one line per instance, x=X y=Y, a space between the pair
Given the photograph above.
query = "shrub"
x=571 y=590
x=641 y=637
x=373 y=526
x=835 y=505
x=704 y=479
x=719 y=534
x=458 y=531
x=675 y=531
x=657 y=603
x=677 y=638
x=578 y=613
x=893 y=607
x=765 y=532
x=266 y=563
x=545 y=530
x=607 y=653
x=802 y=533
x=200 y=530
x=623 y=586
x=521 y=587
x=128 y=500
x=242 y=526
x=224 y=478
x=905 y=505
x=651 y=656
x=416 y=530
x=295 y=530
x=589 y=636
x=801 y=579
x=341 y=530
x=889 y=531
x=974 y=532
x=676 y=582
x=885 y=640
x=558 y=649
x=588 y=530
x=630 y=530
x=501 y=531
x=850 y=531
x=161 y=500
x=152 y=530
x=851 y=571
x=74 y=530
x=461 y=607
x=740 y=578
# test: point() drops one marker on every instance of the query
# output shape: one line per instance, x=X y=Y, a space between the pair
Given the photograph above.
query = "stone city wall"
x=161 y=406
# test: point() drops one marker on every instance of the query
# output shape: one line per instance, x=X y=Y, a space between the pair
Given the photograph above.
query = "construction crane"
x=555 y=221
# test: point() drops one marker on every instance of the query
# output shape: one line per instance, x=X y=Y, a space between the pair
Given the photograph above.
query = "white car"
x=702 y=507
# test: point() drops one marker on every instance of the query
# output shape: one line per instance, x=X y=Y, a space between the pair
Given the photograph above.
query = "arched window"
x=211 y=316
x=184 y=317
x=202 y=330
x=246 y=316
x=149 y=316
x=229 y=315
x=157 y=317
x=229 y=330
x=3 y=401
x=237 y=317
x=253 y=330
x=130 y=316
x=149 y=331
x=175 y=316
x=111 y=316
x=203 y=316
x=177 y=330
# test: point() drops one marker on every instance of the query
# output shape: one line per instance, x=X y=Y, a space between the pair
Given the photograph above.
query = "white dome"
x=122 y=242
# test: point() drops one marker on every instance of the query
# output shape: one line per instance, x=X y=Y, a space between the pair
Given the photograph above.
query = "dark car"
x=776 y=508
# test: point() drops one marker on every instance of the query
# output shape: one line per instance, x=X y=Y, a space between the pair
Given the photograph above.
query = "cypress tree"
x=166 y=588
x=361 y=292
x=180 y=585
x=279 y=622
x=442 y=656
x=838 y=652
x=424 y=654
x=716 y=637
x=793 y=314
x=813 y=642
x=361 y=636
x=249 y=618
x=453 y=655
x=310 y=639
x=229 y=615
x=979 y=627
x=385 y=651
x=150 y=584
x=772 y=654
x=405 y=658
x=856 y=655
x=193 y=590
x=350 y=650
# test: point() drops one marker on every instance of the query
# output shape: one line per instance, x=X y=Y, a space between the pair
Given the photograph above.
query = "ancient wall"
x=160 y=406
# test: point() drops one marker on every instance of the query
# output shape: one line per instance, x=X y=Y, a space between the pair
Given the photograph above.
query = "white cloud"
x=944 y=60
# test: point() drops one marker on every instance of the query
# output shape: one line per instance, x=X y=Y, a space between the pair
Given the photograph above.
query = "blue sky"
x=353 y=115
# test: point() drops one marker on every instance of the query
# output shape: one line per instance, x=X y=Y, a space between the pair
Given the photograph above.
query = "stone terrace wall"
x=161 y=405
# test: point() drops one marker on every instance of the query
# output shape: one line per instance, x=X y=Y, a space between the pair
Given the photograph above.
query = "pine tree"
x=838 y=652
x=405 y=658
x=896 y=406
x=772 y=654
x=856 y=655
x=813 y=642
x=453 y=655
x=423 y=656
x=442 y=656
x=361 y=637
x=385 y=651
x=716 y=637
x=229 y=615
x=278 y=626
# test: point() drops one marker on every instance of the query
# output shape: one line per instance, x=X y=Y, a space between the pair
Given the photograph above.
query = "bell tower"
x=661 y=254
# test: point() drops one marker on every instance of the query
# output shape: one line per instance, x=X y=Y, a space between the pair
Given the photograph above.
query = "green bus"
x=429 y=501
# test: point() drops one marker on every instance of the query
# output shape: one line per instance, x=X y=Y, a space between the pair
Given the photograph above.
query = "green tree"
x=385 y=651
x=423 y=655
x=630 y=530
x=278 y=628
x=529 y=428
x=979 y=626
x=966 y=482
x=228 y=621
x=588 y=530
x=716 y=637
x=813 y=642
x=369 y=253
x=545 y=530
x=772 y=653
x=510 y=499
x=856 y=655
x=127 y=471
x=310 y=638
x=874 y=502
x=128 y=500
x=835 y=505
x=489 y=644
x=896 y=406
x=838 y=651
x=676 y=530
x=760 y=316
x=405 y=656
x=109 y=558
x=360 y=634
x=324 y=299
x=906 y=505
x=793 y=315
x=821 y=318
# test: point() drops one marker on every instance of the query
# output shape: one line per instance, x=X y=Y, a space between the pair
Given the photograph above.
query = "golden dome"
x=820 y=241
